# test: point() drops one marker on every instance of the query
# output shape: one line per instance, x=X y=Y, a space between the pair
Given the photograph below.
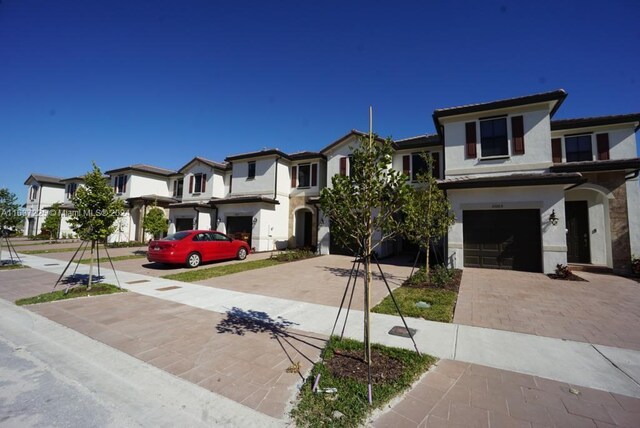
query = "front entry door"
x=578 y=250
x=308 y=229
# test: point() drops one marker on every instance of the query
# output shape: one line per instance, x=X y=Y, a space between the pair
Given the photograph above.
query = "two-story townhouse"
x=43 y=191
x=71 y=186
x=512 y=187
x=602 y=214
x=256 y=207
x=141 y=187
x=308 y=178
x=199 y=182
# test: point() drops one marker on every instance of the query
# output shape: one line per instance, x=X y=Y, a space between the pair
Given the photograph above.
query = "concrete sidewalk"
x=76 y=376
x=595 y=366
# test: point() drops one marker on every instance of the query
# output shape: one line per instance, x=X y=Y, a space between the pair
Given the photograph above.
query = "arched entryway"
x=304 y=228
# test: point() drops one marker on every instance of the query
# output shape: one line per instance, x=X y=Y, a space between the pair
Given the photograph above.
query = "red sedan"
x=192 y=247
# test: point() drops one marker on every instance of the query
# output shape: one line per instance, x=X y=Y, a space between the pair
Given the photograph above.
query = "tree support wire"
x=83 y=245
x=354 y=270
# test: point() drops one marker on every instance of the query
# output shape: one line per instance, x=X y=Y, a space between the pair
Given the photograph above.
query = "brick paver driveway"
x=605 y=310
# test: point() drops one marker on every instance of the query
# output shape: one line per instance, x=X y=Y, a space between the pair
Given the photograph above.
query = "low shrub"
x=635 y=264
x=562 y=271
x=293 y=255
x=126 y=244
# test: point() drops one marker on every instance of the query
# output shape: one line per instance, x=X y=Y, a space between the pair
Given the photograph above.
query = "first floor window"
x=578 y=148
x=493 y=137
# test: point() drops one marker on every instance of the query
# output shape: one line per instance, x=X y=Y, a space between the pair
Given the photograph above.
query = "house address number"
x=496 y=206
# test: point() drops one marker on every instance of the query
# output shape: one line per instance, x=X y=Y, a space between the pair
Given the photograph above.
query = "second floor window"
x=252 y=170
x=198 y=183
x=493 y=137
x=304 y=175
x=413 y=165
x=33 y=193
x=418 y=166
x=578 y=148
x=120 y=185
x=177 y=188
x=71 y=190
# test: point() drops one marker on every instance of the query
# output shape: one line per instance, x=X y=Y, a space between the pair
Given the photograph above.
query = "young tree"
x=428 y=214
x=10 y=216
x=51 y=224
x=155 y=222
x=96 y=210
x=368 y=199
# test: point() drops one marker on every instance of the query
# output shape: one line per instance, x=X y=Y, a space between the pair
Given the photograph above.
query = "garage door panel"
x=502 y=239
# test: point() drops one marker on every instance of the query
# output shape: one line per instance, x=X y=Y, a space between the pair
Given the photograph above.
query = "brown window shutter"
x=517 y=131
x=603 y=146
x=314 y=174
x=204 y=183
x=435 y=165
x=471 y=139
x=191 y=184
x=406 y=165
x=294 y=176
x=231 y=183
x=556 y=150
x=343 y=166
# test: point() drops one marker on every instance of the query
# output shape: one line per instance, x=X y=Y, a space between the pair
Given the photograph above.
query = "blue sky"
x=158 y=82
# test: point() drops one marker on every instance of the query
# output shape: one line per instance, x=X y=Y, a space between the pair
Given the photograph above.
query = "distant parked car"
x=192 y=247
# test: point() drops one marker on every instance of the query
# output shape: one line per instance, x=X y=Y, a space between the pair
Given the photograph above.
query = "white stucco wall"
x=47 y=196
x=139 y=185
x=398 y=156
x=264 y=181
x=537 y=145
x=633 y=204
x=271 y=228
x=622 y=140
x=215 y=186
x=544 y=198
x=336 y=153
x=311 y=190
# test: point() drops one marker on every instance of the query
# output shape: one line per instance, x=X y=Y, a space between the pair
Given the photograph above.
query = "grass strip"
x=442 y=303
x=212 y=272
x=78 y=291
x=349 y=406
x=114 y=259
x=14 y=266
x=51 y=250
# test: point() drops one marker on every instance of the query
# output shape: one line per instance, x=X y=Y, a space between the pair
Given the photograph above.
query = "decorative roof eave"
x=589 y=122
x=513 y=180
x=600 y=165
x=307 y=156
x=159 y=200
x=258 y=154
x=244 y=200
x=147 y=169
x=194 y=204
x=418 y=142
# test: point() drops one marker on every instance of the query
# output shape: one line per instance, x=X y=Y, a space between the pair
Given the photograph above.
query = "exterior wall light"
x=254 y=221
x=553 y=218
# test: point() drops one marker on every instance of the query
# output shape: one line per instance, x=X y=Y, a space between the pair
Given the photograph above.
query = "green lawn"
x=11 y=267
x=104 y=259
x=52 y=250
x=349 y=407
x=212 y=272
x=442 y=303
x=78 y=291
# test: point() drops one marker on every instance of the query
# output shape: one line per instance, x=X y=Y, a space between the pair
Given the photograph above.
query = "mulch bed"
x=571 y=277
x=453 y=285
x=350 y=364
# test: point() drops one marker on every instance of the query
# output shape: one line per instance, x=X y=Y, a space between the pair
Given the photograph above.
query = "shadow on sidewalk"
x=241 y=322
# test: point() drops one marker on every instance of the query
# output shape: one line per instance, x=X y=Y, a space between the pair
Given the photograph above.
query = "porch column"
x=618 y=216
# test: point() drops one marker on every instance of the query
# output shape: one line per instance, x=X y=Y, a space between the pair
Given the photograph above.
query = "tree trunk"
x=428 y=243
x=93 y=245
x=367 y=296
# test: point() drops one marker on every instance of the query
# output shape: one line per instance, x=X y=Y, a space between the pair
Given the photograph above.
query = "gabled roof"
x=511 y=180
x=417 y=142
x=558 y=95
x=352 y=133
x=149 y=169
x=160 y=200
x=213 y=164
x=45 y=179
x=587 y=122
x=258 y=154
x=71 y=179
x=599 y=165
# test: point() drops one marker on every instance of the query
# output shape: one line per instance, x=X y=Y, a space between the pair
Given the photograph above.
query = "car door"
x=223 y=246
x=202 y=244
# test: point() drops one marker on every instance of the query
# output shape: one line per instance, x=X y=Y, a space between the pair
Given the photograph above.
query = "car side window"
x=218 y=237
x=200 y=237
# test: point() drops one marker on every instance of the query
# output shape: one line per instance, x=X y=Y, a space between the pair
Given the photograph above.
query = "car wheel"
x=193 y=260
x=242 y=253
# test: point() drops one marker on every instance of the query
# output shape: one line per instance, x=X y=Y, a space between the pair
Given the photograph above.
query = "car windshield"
x=177 y=236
